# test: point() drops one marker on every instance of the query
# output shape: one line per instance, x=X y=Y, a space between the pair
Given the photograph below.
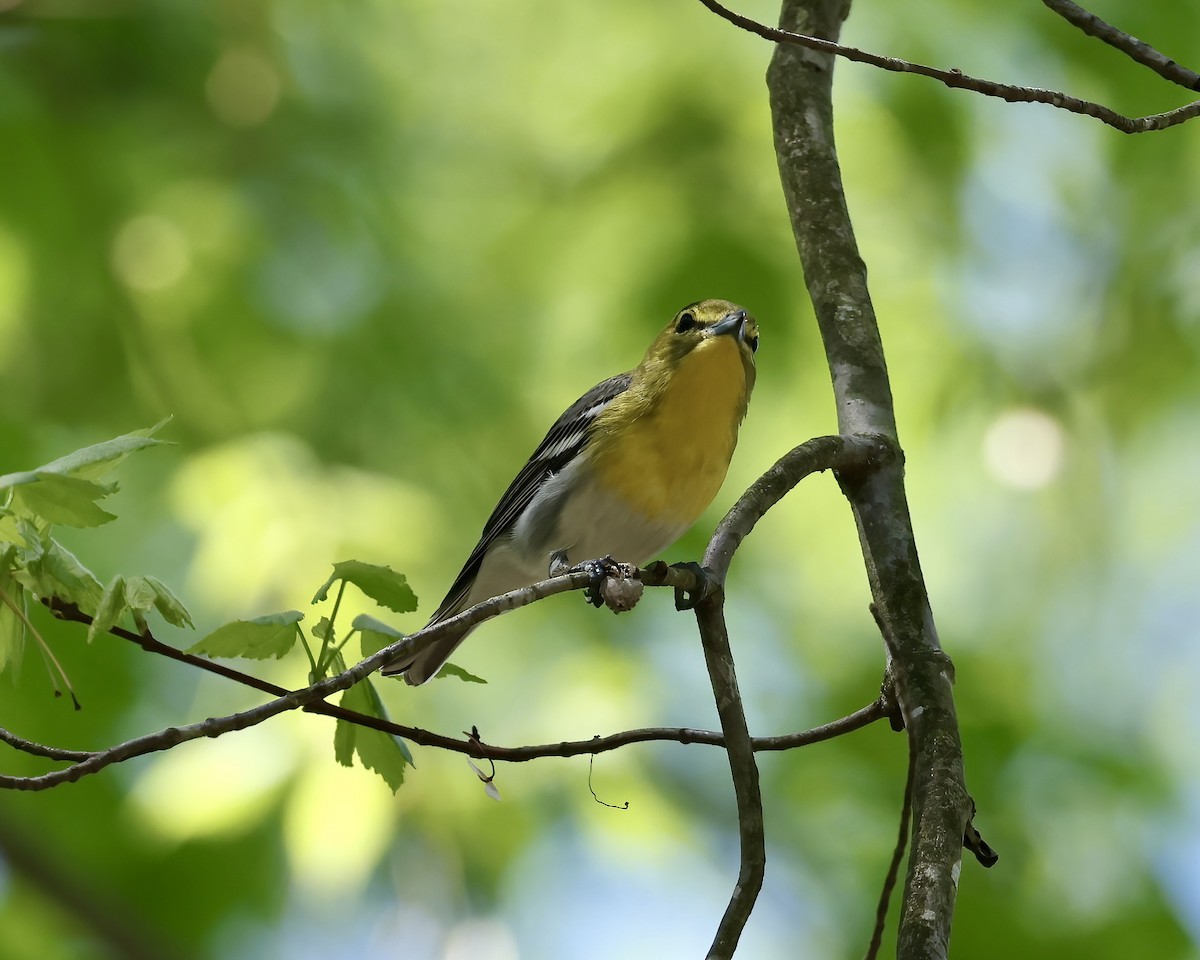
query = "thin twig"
x=889 y=881
x=959 y=80
x=51 y=659
x=40 y=750
x=1137 y=50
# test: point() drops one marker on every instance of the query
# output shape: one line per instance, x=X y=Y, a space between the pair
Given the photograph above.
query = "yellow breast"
x=667 y=455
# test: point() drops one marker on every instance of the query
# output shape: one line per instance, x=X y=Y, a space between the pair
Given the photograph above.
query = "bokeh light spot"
x=1023 y=448
x=14 y=284
x=150 y=253
x=481 y=939
x=242 y=88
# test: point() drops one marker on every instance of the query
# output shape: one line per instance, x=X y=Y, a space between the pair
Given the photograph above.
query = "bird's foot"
x=599 y=570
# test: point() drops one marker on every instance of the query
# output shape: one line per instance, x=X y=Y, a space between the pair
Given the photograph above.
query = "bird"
x=623 y=473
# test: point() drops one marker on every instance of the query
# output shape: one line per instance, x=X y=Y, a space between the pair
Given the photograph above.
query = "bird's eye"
x=687 y=320
x=752 y=343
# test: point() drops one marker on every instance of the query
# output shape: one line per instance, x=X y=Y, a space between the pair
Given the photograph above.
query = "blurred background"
x=364 y=253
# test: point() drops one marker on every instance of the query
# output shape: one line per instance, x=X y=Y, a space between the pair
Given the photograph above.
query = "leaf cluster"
x=35 y=565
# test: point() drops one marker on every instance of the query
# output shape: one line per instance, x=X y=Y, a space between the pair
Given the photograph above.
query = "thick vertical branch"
x=800 y=83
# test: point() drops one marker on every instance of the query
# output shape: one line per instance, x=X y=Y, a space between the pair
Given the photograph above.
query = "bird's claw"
x=689 y=599
x=598 y=571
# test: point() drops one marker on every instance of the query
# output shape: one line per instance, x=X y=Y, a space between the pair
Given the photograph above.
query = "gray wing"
x=565 y=439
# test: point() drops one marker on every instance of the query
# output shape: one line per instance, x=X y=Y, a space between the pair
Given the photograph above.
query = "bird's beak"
x=741 y=325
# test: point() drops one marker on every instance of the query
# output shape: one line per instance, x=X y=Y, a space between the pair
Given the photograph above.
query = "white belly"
x=585 y=525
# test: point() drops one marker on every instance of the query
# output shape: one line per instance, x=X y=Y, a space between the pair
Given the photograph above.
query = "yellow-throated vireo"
x=623 y=473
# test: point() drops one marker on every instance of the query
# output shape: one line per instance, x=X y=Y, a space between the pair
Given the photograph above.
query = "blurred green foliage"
x=364 y=253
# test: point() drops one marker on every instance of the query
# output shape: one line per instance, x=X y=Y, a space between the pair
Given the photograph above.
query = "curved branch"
x=821 y=453
x=1011 y=93
x=40 y=750
x=813 y=456
x=1137 y=50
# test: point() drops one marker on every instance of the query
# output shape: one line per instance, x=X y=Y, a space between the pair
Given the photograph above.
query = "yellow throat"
x=678 y=432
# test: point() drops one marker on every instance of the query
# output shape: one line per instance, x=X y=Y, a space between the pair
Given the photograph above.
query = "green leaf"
x=8 y=525
x=139 y=594
x=375 y=634
x=257 y=639
x=365 y=621
x=51 y=570
x=34 y=540
x=136 y=595
x=385 y=754
x=12 y=628
x=453 y=670
x=382 y=584
x=95 y=461
x=62 y=499
x=108 y=611
x=169 y=606
x=323 y=630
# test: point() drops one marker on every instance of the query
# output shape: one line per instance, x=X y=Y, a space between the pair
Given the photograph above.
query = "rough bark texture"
x=800 y=83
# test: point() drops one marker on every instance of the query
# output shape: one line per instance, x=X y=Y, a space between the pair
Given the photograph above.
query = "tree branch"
x=92 y=761
x=959 y=80
x=820 y=453
x=1137 y=50
x=39 y=750
x=800 y=83
x=714 y=638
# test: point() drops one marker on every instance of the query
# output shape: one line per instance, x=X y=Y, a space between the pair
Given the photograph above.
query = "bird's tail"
x=424 y=665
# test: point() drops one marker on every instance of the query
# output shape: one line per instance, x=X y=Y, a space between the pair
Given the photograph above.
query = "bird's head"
x=707 y=327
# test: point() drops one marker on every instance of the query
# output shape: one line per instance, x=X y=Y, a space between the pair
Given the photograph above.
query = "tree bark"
x=800 y=84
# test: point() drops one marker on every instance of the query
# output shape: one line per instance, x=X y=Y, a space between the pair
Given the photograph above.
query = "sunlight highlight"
x=1023 y=448
x=150 y=253
x=213 y=787
x=243 y=88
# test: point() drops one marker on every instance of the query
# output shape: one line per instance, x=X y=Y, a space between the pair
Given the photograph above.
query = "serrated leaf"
x=378 y=751
x=34 y=540
x=270 y=636
x=109 y=609
x=454 y=670
x=95 y=461
x=139 y=594
x=382 y=584
x=8 y=526
x=62 y=499
x=169 y=606
x=63 y=576
x=12 y=628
